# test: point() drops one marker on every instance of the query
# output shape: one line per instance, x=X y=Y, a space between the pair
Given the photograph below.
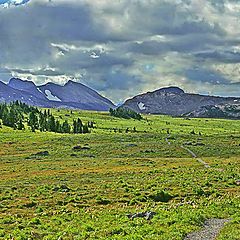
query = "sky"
x=123 y=47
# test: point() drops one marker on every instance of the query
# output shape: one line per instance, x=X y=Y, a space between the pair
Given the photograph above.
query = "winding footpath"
x=210 y=231
x=195 y=156
x=211 y=227
x=191 y=152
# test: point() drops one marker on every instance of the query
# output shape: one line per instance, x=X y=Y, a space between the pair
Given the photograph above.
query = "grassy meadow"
x=87 y=193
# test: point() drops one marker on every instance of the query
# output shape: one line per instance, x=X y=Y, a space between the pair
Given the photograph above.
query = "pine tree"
x=85 y=129
x=74 y=126
x=52 y=124
x=79 y=126
x=20 y=125
x=66 y=127
x=58 y=128
x=33 y=121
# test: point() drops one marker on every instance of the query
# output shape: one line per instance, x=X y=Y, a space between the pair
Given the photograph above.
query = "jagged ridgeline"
x=18 y=115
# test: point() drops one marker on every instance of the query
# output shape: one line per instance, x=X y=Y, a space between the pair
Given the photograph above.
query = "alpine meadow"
x=82 y=186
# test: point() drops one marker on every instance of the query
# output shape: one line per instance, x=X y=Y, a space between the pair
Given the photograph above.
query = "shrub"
x=102 y=201
x=160 y=196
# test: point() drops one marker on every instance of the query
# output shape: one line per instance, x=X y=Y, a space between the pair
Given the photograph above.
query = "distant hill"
x=217 y=111
x=175 y=102
x=71 y=95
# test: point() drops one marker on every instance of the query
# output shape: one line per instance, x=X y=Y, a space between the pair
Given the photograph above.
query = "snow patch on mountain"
x=141 y=106
x=51 y=97
x=39 y=90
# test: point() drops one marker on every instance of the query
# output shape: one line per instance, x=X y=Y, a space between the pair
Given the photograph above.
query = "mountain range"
x=170 y=101
x=71 y=95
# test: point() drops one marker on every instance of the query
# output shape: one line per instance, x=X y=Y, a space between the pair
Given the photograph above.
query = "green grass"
x=86 y=194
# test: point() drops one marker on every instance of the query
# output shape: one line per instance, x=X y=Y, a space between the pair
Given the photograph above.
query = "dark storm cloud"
x=185 y=44
x=205 y=75
x=220 y=56
x=27 y=32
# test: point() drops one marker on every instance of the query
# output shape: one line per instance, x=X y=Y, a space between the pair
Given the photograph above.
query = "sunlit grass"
x=86 y=194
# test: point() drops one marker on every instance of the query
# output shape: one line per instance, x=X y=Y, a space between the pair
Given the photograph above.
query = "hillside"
x=231 y=111
x=175 y=102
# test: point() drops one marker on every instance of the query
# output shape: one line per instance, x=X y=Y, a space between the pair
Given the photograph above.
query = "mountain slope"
x=26 y=86
x=174 y=101
x=71 y=95
x=231 y=111
x=9 y=94
x=76 y=94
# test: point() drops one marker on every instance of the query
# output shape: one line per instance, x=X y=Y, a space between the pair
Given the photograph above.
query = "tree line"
x=13 y=115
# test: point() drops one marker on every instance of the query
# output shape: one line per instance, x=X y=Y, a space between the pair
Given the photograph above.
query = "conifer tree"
x=20 y=125
x=66 y=127
x=85 y=129
x=52 y=124
x=33 y=121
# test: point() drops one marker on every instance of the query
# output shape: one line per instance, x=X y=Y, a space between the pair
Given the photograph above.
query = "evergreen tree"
x=58 y=127
x=75 y=126
x=52 y=124
x=33 y=121
x=79 y=126
x=66 y=127
x=85 y=129
x=20 y=125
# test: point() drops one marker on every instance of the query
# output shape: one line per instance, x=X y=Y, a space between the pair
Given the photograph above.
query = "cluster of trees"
x=123 y=112
x=12 y=115
x=78 y=127
x=46 y=122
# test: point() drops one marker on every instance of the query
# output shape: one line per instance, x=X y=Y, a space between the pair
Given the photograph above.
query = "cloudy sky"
x=123 y=47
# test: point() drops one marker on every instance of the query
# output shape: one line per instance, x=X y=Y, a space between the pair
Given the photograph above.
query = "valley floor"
x=87 y=193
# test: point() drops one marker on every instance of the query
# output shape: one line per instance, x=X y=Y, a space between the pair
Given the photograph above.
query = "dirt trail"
x=191 y=152
x=195 y=156
x=212 y=227
x=210 y=231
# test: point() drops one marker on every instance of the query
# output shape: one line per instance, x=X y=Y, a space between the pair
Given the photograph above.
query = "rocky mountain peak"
x=174 y=90
x=20 y=84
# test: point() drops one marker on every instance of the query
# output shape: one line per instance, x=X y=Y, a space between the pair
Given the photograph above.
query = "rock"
x=149 y=151
x=43 y=153
x=62 y=188
x=65 y=188
x=73 y=155
x=89 y=156
x=77 y=148
x=150 y=215
x=131 y=145
x=55 y=189
x=86 y=148
x=238 y=182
